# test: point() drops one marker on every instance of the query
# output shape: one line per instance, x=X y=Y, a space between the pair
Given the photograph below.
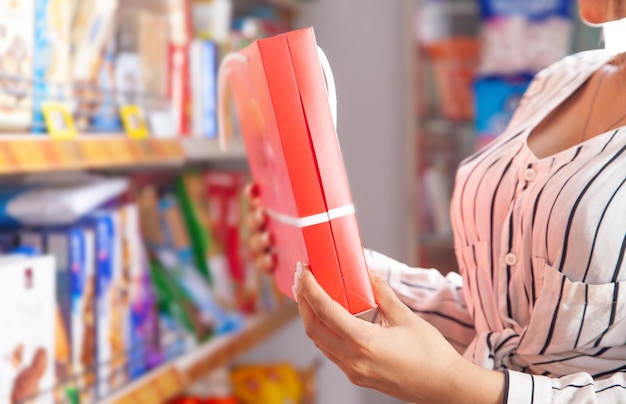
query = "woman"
x=539 y=311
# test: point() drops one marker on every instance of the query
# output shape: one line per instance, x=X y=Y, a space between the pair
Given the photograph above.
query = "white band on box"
x=312 y=220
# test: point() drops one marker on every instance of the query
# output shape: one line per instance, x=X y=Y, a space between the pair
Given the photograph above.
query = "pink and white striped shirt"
x=540 y=244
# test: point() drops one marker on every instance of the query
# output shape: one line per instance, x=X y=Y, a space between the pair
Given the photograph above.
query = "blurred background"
x=124 y=274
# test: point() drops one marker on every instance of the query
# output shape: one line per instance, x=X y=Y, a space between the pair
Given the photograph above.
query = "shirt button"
x=530 y=174
x=510 y=259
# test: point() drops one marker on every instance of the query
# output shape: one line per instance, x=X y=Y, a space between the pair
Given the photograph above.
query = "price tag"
x=59 y=121
x=28 y=154
x=134 y=122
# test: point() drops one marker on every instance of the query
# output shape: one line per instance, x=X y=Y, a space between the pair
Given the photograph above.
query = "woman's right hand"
x=260 y=240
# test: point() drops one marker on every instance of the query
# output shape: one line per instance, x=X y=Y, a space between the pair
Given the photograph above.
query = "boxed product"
x=74 y=250
x=496 y=99
x=204 y=60
x=227 y=212
x=520 y=36
x=208 y=251
x=16 y=63
x=176 y=255
x=112 y=303
x=27 y=310
x=142 y=342
x=294 y=155
x=51 y=56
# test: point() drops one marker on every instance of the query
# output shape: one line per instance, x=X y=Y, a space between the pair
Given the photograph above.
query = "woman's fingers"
x=324 y=308
x=256 y=219
x=390 y=307
x=260 y=243
x=265 y=263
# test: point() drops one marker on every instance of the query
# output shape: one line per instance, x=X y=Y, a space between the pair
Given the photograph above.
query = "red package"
x=179 y=92
x=286 y=119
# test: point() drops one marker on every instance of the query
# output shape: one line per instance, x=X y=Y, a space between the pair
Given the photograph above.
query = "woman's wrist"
x=474 y=384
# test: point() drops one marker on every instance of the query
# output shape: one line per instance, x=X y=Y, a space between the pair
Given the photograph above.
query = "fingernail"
x=294 y=290
x=267 y=238
x=297 y=274
x=299 y=269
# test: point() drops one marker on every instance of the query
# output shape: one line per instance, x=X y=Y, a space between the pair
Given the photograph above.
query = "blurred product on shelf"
x=92 y=29
x=96 y=57
x=496 y=99
x=447 y=36
x=204 y=61
x=27 y=342
x=46 y=204
x=278 y=383
x=127 y=293
x=52 y=72
x=522 y=36
x=272 y=383
x=16 y=63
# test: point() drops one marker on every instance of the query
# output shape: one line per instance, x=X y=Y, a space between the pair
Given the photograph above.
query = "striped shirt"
x=540 y=244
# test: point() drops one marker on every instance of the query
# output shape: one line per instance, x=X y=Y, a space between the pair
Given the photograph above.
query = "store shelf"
x=197 y=149
x=22 y=154
x=171 y=379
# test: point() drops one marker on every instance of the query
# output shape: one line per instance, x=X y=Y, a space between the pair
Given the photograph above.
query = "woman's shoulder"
x=584 y=62
x=561 y=77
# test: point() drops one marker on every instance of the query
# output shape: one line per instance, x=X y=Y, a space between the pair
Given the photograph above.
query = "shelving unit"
x=22 y=154
x=172 y=378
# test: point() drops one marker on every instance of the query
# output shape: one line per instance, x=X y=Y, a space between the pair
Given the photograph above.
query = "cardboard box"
x=294 y=156
x=111 y=303
x=74 y=250
x=27 y=311
x=16 y=63
x=142 y=349
x=51 y=56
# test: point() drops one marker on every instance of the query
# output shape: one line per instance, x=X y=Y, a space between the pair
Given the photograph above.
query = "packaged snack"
x=74 y=251
x=177 y=256
x=142 y=345
x=496 y=99
x=112 y=303
x=204 y=60
x=207 y=249
x=521 y=36
x=56 y=205
x=16 y=63
x=51 y=73
x=285 y=96
x=27 y=343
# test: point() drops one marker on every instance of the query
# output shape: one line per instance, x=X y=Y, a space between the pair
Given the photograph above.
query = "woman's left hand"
x=402 y=355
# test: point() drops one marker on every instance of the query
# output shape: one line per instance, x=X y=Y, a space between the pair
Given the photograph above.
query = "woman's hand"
x=402 y=356
x=260 y=241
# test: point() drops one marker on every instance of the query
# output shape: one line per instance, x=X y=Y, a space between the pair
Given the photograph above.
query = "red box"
x=293 y=151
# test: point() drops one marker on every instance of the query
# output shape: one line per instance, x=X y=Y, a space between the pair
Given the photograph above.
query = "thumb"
x=389 y=306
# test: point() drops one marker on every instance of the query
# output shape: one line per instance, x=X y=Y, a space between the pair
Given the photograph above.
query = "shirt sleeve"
x=575 y=388
x=429 y=294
